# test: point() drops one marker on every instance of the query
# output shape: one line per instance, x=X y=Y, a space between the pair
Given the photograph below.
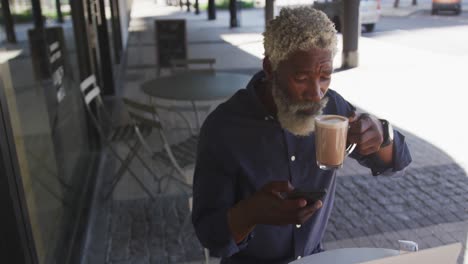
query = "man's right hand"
x=267 y=206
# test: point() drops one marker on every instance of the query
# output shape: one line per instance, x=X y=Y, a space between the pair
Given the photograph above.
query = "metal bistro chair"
x=177 y=156
x=200 y=65
x=112 y=135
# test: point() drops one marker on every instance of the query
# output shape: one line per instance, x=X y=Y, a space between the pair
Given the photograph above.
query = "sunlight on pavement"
x=137 y=25
x=251 y=43
x=436 y=37
x=240 y=39
x=8 y=55
x=150 y=9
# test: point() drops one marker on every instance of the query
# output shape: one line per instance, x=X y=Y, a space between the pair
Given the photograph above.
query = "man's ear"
x=267 y=68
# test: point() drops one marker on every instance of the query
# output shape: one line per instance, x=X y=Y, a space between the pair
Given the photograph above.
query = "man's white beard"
x=289 y=115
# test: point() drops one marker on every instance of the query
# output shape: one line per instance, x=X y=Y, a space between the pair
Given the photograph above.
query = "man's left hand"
x=366 y=131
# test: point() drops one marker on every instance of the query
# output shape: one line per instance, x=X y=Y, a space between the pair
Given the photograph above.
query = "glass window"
x=39 y=76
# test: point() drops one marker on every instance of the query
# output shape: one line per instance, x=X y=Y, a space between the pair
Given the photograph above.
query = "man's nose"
x=313 y=93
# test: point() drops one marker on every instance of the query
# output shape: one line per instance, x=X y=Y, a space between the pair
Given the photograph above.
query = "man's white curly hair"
x=300 y=28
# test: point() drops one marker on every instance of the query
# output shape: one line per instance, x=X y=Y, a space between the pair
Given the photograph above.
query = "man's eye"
x=325 y=77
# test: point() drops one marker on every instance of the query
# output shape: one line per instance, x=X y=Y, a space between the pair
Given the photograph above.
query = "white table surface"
x=347 y=256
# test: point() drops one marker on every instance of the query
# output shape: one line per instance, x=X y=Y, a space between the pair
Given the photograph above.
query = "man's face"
x=299 y=86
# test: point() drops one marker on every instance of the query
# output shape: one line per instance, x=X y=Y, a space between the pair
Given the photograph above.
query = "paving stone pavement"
x=428 y=205
x=145 y=231
x=424 y=197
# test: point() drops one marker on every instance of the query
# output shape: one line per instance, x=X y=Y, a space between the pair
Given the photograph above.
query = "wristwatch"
x=387 y=133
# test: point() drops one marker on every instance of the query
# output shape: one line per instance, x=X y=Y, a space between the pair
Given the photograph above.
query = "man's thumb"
x=354 y=117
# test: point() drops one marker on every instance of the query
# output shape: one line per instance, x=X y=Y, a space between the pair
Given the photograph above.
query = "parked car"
x=369 y=12
x=449 y=5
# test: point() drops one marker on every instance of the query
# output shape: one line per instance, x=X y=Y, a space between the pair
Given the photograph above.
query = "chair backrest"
x=201 y=64
x=95 y=106
x=90 y=90
x=142 y=113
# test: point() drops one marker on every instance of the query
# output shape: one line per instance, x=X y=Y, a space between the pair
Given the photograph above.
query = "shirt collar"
x=259 y=106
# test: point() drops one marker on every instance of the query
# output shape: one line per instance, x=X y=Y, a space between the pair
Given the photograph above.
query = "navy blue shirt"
x=241 y=149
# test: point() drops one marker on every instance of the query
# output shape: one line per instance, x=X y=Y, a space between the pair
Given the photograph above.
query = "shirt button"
x=298 y=226
x=299 y=257
x=293 y=158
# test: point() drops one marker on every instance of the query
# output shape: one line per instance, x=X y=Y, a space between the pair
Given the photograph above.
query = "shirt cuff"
x=223 y=244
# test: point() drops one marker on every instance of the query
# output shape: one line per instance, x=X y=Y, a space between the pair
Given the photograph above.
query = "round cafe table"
x=194 y=86
x=347 y=256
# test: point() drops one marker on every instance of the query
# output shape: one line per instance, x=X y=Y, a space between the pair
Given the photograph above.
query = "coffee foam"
x=331 y=121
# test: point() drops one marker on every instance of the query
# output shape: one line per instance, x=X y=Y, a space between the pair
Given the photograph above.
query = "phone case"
x=310 y=197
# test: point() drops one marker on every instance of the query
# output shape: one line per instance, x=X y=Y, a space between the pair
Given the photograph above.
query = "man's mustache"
x=297 y=107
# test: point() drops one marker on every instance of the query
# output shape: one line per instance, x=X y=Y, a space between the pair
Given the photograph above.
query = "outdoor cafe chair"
x=177 y=156
x=112 y=135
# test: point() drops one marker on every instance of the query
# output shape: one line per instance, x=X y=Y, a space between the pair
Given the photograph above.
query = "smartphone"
x=310 y=196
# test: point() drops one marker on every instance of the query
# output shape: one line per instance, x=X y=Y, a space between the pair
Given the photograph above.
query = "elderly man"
x=260 y=144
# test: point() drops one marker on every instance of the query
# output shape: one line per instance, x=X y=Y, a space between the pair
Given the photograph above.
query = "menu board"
x=171 y=41
x=48 y=56
x=56 y=51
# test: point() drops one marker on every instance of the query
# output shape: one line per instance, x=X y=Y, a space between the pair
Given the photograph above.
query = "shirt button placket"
x=293 y=158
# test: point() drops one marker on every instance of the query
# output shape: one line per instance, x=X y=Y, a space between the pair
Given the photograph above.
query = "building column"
x=211 y=10
x=9 y=23
x=197 y=8
x=105 y=61
x=38 y=19
x=58 y=6
x=351 y=29
x=116 y=30
x=269 y=10
x=81 y=39
x=234 y=21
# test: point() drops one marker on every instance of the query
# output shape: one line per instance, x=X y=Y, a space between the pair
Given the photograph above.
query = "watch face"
x=388 y=132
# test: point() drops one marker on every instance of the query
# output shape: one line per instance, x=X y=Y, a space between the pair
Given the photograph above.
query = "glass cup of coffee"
x=330 y=141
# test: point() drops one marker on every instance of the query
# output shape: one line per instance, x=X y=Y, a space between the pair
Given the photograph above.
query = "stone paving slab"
x=366 y=205
x=428 y=205
x=146 y=231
